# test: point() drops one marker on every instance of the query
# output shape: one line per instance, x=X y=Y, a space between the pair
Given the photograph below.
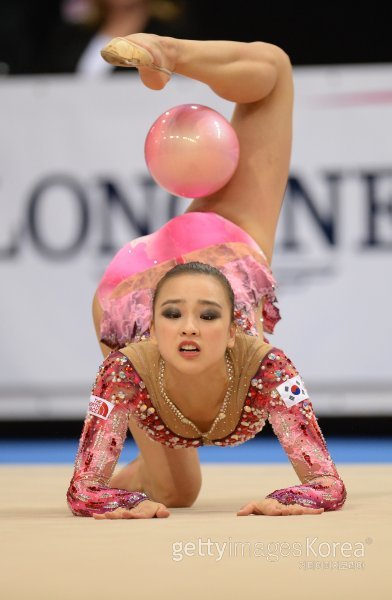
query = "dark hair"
x=196 y=268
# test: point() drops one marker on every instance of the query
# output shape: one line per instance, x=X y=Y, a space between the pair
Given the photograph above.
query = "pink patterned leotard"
x=125 y=388
x=120 y=392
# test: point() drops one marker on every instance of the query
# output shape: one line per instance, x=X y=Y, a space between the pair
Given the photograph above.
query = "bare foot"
x=127 y=478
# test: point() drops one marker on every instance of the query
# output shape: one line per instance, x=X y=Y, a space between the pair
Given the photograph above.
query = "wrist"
x=136 y=498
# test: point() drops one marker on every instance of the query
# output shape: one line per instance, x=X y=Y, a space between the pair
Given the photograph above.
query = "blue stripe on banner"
x=342 y=450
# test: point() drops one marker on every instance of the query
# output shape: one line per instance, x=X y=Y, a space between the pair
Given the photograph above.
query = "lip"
x=190 y=353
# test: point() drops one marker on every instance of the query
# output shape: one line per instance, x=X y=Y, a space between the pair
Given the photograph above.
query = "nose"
x=189 y=327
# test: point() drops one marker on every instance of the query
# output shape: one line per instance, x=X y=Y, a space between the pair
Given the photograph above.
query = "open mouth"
x=189 y=348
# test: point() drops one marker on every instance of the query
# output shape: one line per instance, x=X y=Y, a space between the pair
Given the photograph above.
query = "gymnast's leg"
x=257 y=77
x=168 y=475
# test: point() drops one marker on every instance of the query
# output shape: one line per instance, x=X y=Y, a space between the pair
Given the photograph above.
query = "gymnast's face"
x=192 y=323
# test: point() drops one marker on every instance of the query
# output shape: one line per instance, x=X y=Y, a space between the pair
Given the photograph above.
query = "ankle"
x=171 y=50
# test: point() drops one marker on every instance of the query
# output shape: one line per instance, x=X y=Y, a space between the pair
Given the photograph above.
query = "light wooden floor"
x=201 y=552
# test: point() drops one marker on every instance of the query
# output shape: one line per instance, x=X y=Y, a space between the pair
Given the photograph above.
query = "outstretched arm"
x=104 y=432
x=280 y=391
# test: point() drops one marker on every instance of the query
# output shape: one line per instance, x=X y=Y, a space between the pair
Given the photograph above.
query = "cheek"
x=218 y=332
x=163 y=328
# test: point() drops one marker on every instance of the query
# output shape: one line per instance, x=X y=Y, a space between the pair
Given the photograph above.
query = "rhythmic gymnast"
x=181 y=314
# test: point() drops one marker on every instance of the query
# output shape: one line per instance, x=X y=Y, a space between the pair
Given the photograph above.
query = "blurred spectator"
x=58 y=36
x=66 y=37
x=90 y=24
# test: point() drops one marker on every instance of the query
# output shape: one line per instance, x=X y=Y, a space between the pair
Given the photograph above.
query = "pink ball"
x=191 y=150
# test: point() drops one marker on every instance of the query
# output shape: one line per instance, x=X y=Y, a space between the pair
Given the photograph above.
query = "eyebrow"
x=203 y=302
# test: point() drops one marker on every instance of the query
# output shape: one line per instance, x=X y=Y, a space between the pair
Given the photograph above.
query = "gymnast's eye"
x=210 y=315
x=171 y=313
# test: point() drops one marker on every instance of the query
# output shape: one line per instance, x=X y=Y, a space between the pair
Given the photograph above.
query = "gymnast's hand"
x=147 y=509
x=274 y=508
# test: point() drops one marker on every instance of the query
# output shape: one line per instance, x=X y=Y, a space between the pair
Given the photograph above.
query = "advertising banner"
x=74 y=187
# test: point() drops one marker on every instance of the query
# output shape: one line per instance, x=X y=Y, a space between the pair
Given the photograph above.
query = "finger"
x=297 y=511
x=243 y=512
x=306 y=510
x=294 y=512
x=247 y=509
x=313 y=511
x=107 y=515
x=147 y=512
x=285 y=511
x=115 y=514
x=134 y=513
x=162 y=512
x=300 y=510
x=279 y=509
x=128 y=514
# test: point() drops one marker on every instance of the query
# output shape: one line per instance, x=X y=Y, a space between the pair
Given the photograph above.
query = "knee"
x=181 y=501
x=178 y=498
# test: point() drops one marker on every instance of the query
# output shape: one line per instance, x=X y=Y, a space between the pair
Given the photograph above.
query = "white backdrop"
x=74 y=187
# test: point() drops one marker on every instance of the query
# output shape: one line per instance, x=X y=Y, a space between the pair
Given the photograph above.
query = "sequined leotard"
x=267 y=386
x=127 y=381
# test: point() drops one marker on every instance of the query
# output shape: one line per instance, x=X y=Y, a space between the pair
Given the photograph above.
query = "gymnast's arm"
x=299 y=434
x=102 y=440
x=275 y=390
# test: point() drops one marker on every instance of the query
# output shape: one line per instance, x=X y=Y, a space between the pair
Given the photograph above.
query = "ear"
x=232 y=333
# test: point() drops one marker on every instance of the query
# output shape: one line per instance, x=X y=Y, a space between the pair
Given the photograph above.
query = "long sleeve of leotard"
x=104 y=431
x=279 y=390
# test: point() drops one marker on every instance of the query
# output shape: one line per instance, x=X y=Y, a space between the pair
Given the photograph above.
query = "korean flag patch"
x=99 y=407
x=292 y=391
